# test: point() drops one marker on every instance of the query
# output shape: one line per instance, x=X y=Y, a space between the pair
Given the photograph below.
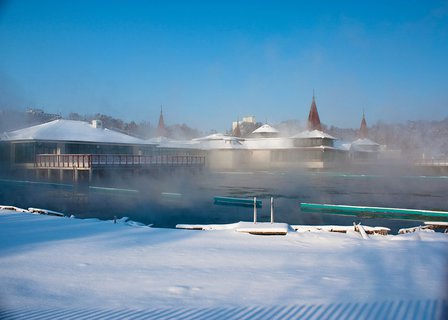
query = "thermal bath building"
x=77 y=150
x=311 y=149
x=363 y=149
x=66 y=149
x=267 y=149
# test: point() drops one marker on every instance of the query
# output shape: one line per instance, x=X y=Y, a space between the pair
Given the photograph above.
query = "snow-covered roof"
x=158 y=140
x=365 y=142
x=342 y=145
x=221 y=141
x=313 y=134
x=70 y=130
x=217 y=136
x=165 y=142
x=363 y=145
x=221 y=144
x=265 y=129
x=269 y=143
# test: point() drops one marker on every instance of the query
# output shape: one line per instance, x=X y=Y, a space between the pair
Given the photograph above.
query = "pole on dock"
x=255 y=209
x=272 y=209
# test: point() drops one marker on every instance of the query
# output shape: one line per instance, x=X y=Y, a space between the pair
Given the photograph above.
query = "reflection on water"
x=189 y=199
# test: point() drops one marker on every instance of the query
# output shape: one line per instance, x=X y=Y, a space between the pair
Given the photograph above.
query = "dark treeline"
x=142 y=129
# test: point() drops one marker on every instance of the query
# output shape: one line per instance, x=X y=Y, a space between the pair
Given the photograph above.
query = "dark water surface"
x=175 y=199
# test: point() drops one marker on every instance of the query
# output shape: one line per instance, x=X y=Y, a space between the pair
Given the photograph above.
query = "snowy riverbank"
x=53 y=263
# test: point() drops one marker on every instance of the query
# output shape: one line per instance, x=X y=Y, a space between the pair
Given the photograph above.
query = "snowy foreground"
x=56 y=267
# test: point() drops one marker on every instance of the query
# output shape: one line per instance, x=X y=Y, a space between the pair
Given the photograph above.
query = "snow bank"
x=48 y=263
x=341 y=229
x=260 y=228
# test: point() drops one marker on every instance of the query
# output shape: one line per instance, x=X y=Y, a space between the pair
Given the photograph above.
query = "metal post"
x=272 y=209
x=255 y=209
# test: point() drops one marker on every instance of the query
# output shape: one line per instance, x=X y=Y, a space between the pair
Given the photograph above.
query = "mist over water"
x=177 y=198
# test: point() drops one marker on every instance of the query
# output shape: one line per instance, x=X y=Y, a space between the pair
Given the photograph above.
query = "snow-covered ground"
x=49 y=265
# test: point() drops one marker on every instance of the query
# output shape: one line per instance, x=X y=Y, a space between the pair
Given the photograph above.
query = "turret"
x=237 y=130
x=363 y=132
x=161 y=131
x=313 y=118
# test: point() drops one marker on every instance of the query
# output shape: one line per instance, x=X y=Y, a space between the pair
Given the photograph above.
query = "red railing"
x=88 y=161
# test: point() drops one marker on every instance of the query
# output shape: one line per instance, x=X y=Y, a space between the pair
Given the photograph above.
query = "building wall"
x=227 y=159
x=5 y=157
x=93 y=148
x=25 y=152
x=179 y=151
x=313 y=142
x=266 y=159
x=260 y=159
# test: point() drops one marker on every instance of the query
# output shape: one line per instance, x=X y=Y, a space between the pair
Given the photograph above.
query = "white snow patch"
x=313 y=134
x=11 y=208
x=266 y=128
x=246 y=227
x=46 y=262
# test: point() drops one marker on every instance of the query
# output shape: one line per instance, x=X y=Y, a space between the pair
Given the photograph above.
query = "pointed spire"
x=313 y=117
x=161 y=126
x=237 y=130
x=363 y=132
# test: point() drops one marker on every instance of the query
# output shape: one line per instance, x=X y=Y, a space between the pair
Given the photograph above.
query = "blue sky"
x=210 y=62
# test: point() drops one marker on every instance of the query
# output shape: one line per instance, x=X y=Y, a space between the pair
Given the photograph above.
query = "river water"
x=184 y=198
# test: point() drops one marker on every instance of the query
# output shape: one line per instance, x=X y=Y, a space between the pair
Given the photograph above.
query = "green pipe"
x=373 y=211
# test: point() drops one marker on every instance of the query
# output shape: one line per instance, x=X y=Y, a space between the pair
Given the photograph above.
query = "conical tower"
x=313 y=117
x=161 y=131
x=363 y=132
x=237 y=130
